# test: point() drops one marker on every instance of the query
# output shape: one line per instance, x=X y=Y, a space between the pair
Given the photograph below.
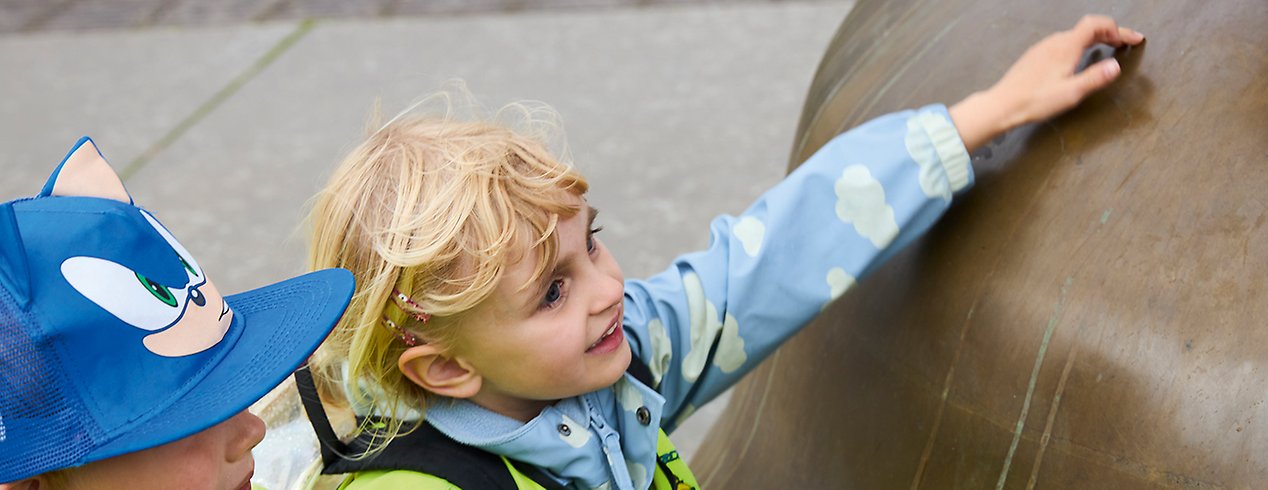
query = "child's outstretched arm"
x=714 y=315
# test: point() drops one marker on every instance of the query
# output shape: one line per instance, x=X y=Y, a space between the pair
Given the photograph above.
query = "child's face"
x=218 y=458
x=557 y=338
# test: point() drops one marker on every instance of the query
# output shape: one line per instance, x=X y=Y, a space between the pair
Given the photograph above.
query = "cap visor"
x=282 y=325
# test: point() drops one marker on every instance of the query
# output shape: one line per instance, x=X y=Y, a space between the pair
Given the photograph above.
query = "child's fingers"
x=1094 y=29
x=1130 y=36
x=1096 y=77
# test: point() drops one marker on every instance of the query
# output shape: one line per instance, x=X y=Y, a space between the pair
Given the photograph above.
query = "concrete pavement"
x=675 y=113
x=25 y=16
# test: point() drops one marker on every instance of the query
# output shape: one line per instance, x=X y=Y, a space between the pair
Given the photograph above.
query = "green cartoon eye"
x=158 y=290
x=187 y=266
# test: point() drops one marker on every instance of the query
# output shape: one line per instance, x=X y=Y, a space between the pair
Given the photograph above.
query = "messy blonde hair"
x=436 y=207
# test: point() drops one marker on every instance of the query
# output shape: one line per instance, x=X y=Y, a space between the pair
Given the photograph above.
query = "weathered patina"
x=1093 y=314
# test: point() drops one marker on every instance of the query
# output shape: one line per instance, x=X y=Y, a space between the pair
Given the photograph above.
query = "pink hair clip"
x=406 y=336
x=415 y=310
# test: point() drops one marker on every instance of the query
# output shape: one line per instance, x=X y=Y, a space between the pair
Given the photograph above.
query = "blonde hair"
x=437 y=208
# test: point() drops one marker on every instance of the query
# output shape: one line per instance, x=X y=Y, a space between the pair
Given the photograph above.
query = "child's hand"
x=1042 y=83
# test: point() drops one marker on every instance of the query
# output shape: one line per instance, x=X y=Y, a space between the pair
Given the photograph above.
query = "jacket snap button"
x=644 y=415
x=564 y=430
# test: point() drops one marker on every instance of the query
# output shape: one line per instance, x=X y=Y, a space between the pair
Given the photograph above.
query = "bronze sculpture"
x=1090 y=315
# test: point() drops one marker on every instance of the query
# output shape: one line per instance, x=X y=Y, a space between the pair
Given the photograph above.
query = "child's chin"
x=613 y=368
x=621 y=359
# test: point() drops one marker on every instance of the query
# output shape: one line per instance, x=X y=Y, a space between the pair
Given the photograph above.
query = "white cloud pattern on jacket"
x=750 y=232
x=629 y=396
x=839 y=281
x=638 y=473
x=730 y=355
x=662 y=351
x=579 y=434
x=861 y=202
x=704 y=327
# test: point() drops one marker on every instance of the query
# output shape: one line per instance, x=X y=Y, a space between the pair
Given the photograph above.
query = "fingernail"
x=1111 y=68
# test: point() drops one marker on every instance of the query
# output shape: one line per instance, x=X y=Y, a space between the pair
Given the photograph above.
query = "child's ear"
x=432 y=368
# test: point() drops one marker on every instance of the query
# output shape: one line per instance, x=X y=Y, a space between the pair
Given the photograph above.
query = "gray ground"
x=225 y=123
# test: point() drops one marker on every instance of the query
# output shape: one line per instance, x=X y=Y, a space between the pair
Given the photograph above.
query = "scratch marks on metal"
x=946 y=388
x=1130 y=174
x=1052 y=412
x=981 y=292
x=1034 y=376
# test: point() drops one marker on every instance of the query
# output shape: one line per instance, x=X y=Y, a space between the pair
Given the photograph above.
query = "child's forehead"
x=531 y=266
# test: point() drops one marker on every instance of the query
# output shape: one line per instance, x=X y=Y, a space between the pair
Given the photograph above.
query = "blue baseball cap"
x=113 y=339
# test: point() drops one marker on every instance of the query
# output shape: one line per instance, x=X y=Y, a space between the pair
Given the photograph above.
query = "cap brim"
x=282 y=325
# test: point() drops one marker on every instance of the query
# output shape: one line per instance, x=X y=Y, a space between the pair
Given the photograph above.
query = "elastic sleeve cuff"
x=950 y=149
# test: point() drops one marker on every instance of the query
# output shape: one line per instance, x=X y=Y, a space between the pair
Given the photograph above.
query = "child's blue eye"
x=590 y=245
x=554 y=293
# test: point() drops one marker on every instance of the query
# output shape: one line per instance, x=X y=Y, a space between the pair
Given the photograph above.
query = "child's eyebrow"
x=539 y=289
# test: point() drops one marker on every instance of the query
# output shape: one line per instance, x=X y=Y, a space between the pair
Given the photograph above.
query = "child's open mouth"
x=611 y=338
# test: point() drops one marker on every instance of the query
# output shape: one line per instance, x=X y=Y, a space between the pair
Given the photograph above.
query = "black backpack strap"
x=424 y=450
x=331 y=446
x=427 y=450
x=640 y=372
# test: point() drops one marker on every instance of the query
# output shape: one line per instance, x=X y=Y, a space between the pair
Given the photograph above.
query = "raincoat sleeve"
x=713 y=315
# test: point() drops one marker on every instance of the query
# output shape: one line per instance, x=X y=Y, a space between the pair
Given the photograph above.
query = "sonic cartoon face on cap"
x=187 y=316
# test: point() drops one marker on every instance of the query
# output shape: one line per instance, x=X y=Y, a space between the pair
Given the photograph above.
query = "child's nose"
x=608 y=291
x=247 y=431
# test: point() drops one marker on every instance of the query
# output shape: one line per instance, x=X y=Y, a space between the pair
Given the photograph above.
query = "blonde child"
x=490 y=342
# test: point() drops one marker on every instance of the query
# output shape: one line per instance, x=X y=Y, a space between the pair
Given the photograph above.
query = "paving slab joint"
x=217 y=98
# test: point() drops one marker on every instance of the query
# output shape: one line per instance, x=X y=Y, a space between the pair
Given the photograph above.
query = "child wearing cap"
x=121 y=364
x=490 y=342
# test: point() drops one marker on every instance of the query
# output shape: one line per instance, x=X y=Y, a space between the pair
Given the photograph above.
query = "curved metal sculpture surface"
x=1093 y=314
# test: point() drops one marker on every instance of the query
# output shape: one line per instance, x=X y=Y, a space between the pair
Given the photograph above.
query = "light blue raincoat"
x=713 y=315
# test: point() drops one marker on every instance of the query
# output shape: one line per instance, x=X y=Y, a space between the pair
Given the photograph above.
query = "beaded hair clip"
x=415 y=310
x=401 y=300
x=405 y=335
